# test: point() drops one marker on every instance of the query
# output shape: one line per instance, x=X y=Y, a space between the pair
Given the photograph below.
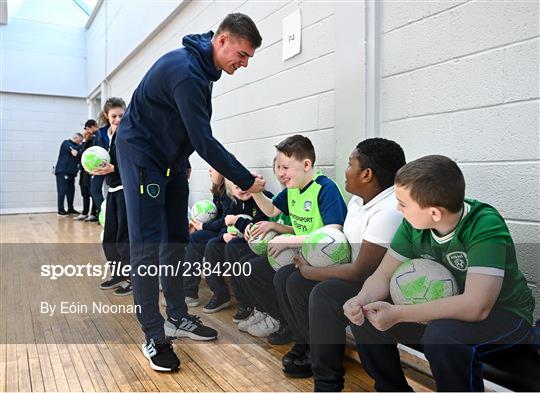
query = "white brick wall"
x=461 y=79
x=271 y=99
x=33 y=127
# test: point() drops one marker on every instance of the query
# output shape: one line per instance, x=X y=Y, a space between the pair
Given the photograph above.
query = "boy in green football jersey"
x=493 y=310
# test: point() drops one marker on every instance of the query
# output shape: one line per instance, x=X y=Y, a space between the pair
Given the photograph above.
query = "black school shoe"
x=299 y=367
x=243 y=313
x=282 y=336
x=73 y=211
x=216 y=304
x=297 y=352
x=112 y=283
x=61 y=213
x=189 y=326
x=161 y=355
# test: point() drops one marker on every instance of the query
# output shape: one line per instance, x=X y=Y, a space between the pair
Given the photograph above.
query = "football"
x=420 y=281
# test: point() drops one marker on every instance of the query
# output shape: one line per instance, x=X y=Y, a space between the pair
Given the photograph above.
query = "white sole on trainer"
x=113 y=287
x=152 y=365
x=179 y=333
x=221 y=307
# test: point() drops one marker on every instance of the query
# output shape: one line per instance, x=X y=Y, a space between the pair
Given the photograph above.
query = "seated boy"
x=493 y=310
x=316 y=294
x=311 y=200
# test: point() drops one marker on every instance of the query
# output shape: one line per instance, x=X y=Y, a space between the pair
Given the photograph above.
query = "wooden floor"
x=96 y=352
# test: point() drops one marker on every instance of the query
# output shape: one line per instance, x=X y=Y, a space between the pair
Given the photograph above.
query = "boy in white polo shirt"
x=314 y=293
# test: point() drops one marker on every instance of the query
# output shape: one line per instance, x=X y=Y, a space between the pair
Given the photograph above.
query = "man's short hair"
x=297 y=146
x=384 y=157
x=242 y=26
x=433 y=181
x=90 y=123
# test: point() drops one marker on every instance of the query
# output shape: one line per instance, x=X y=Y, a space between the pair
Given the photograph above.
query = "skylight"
x=61 y=12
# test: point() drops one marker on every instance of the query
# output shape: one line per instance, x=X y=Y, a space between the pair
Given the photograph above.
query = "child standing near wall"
x=90 y=128
x=115 y=235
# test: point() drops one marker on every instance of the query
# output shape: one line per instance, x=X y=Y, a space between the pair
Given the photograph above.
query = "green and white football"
x=420 y=281
x=285 y=257
x=326 y=246
x=94 y=157
x=204 y=211
x=257 y=244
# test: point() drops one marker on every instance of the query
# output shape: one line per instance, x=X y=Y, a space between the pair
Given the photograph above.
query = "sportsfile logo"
x=54 y=272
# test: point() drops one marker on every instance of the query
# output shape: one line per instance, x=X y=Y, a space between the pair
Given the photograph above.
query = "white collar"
x=381 y=196
x=449 y=236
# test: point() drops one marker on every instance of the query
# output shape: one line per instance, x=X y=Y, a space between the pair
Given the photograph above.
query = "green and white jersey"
x=480 y=243
x=318 y=204
x=282 y=219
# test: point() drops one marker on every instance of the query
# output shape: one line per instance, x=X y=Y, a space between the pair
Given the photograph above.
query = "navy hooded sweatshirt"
x=169 y=114
x=66 y=163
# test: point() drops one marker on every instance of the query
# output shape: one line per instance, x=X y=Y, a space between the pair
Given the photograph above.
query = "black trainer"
x=113 y=282
x=216 y=304
x=62 y=213
x=243 y=313
x=282 y=336
x=296 y=352
x=299 y=368
x=189 y=326
x=161 y=355
x=73 y=211
x=125 y=289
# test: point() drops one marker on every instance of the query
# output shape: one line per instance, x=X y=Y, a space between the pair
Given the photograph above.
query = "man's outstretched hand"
x=258 y=184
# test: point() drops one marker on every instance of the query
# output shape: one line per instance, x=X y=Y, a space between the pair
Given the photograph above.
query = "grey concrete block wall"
x=32 y=129
x=461 y=79
x=271 y=99
x=456 y=77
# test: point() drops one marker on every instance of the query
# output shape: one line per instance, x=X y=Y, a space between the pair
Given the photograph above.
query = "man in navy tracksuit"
x=167 y=119
x=66 y=170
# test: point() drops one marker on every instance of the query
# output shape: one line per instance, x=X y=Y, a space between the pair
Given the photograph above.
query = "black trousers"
x=327 y=336
x=115 y=234
x=292 y=291
x=237 y=251
x=96 y=191
x=215 y=254
x=65 y=187
x=259 y=287
x=217 y=251
x=87 y=198
x=454 y=349
x=194 y=253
